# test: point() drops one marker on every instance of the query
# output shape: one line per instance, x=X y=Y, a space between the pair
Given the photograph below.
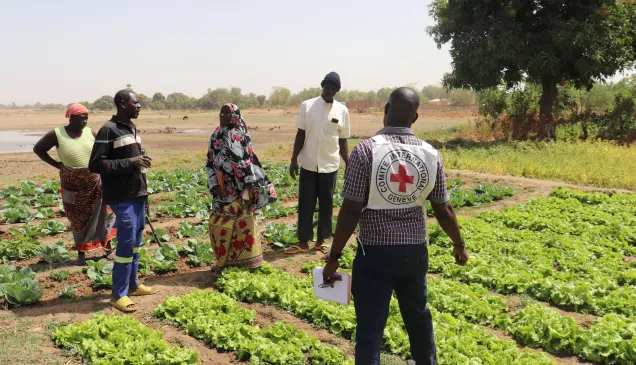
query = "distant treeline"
x=279 y=97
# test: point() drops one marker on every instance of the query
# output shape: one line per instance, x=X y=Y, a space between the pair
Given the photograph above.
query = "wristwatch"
x=462 y=245
x=333 y=255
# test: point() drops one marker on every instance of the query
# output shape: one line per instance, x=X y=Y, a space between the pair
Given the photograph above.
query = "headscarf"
x=76 y=109
x=231 y=157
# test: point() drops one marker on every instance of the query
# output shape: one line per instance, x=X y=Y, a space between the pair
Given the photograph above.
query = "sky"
x=66 y=51
x=70 y=51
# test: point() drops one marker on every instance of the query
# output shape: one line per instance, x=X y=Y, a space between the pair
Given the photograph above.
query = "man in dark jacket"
x=117 y=156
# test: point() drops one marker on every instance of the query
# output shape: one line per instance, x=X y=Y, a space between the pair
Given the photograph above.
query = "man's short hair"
x=122 y=95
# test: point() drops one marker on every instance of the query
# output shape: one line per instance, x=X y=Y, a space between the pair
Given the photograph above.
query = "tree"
x=371 y=97
x=178 y=101
x=213 y=99
x=129 y=87
x=157 y=105
x=492 y=102
x=433 y=92
x=236 y=97
x=261 y=100
x=158 y=97
x=279 y=96
x=104 y=103
x=461 y=97
x=249 y=101
x=144 y=100
x=544 y=41
x=384 y=93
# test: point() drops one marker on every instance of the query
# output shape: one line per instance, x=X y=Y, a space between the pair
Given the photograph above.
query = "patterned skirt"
x=235 y=237
x=91 y=222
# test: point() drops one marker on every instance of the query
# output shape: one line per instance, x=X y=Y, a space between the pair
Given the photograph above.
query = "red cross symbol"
x=403 y=178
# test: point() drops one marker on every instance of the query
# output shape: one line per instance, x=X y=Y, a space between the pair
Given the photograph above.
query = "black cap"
x=332 y=78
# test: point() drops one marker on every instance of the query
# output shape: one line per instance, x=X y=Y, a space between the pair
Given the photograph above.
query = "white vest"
x=402 y=175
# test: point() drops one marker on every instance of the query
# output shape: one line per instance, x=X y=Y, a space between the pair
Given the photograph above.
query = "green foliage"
x=158 y=98
x=199 y=253
x=274 y=287
x=279 y=96
x=492 y=102
x=106 y=102
x=186 y=204
x=18 y=213
x=541 y=41
x=19 y=287
x=111 y=339
x=18 y=248
x=45 y=200
x=551 y=161
x=60 y=275
x=159 y=233
x=100 y=273
x=9 y=274
x=610 y=340
x=187 y=229
x=68 y=292
x=48 y=228
x=44 y=213
x=53 y=254
x=433 y=92
x=280 y=235
x=567 y=249
x=482 y=194
x=226 y=326
x=538 y=326
x=261 y=100
x=277 y=210
x=179 y=101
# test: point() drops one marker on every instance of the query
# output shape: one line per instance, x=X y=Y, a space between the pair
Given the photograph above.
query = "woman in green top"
x=91 y=221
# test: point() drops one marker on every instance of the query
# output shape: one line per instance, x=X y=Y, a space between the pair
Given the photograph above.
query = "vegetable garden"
x=550 y=281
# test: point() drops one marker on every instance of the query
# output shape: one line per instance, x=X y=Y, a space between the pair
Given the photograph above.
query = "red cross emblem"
x=403 y=178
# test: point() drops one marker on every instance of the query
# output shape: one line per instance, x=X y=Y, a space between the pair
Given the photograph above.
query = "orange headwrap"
x=76 y=109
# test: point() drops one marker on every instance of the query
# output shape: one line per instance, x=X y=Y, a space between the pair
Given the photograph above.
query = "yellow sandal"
x=142 y=290
x=124 y=304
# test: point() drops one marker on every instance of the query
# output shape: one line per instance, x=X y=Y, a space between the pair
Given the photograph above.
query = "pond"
x=18 y=141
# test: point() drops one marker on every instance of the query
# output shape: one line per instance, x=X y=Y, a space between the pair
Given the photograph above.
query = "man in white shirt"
x=323 y=129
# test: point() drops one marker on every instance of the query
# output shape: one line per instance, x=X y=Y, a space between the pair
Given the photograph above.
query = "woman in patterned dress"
x=91 y=221
x=240 y=188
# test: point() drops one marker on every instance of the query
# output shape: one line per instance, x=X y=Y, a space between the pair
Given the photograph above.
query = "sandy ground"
x=166 y=136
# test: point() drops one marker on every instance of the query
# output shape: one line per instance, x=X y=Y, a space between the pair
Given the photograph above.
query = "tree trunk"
x=584 y=117
x=546 y=119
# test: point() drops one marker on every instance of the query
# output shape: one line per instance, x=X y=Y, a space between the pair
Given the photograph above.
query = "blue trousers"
x=376 y=274
x=130 y=221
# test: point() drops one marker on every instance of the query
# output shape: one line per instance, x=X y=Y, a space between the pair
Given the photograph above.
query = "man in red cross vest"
x=387 y=182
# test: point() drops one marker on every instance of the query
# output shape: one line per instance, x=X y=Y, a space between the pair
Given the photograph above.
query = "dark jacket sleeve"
x=101 y=163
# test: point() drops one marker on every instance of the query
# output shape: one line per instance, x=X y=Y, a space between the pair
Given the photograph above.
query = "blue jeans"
x=376 y=273
x=130 y=221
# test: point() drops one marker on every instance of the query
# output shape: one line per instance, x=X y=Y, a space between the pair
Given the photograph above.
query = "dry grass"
x=603 y=164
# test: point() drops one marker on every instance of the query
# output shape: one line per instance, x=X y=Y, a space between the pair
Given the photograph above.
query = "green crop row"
x=567 y=249
x=277 y=288
x=118 y=339
x=609 y=340
x=227 y=326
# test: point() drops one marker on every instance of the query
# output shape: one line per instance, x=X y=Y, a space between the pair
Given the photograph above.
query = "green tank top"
x=74 y=152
